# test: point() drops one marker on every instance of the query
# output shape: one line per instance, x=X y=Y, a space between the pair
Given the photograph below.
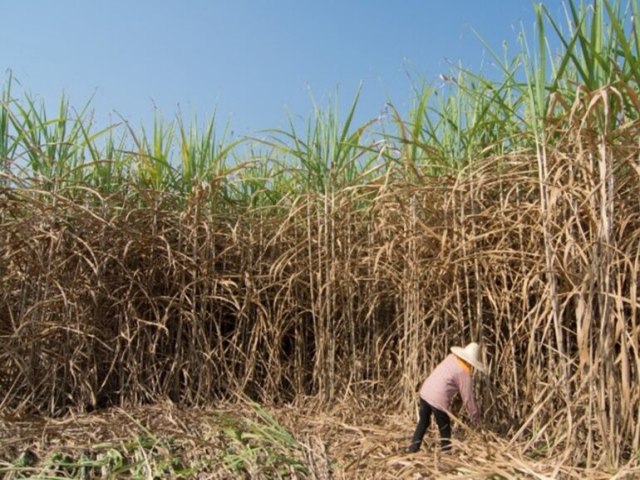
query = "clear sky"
x=251 y=61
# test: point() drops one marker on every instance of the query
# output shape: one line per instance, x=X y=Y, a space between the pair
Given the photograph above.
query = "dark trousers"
x=424 y=420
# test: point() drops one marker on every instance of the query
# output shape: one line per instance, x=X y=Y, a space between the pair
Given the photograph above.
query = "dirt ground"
x=244 y=440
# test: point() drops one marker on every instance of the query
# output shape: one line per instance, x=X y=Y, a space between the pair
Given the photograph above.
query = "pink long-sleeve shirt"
x=448 y=379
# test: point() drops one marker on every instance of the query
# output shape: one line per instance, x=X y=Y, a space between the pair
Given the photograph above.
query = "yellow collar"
x=464 y=364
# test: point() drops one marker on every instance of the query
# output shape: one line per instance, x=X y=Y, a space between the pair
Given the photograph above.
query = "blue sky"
x=253 y=62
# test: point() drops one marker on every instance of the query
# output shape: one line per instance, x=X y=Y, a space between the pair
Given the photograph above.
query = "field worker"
x=454 y=375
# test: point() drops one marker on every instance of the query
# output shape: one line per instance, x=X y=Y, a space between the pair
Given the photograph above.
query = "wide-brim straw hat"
x=471 y=355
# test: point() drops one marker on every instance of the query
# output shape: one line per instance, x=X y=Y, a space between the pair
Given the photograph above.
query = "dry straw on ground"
x=341 y=443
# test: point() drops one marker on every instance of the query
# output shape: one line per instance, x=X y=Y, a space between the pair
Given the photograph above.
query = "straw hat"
x=470 y=354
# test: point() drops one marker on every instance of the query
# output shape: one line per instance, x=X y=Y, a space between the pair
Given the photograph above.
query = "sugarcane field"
x=447 y=294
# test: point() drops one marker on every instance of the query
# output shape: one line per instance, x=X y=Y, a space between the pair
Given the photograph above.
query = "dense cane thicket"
x=348 y=276
x=346 y=294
